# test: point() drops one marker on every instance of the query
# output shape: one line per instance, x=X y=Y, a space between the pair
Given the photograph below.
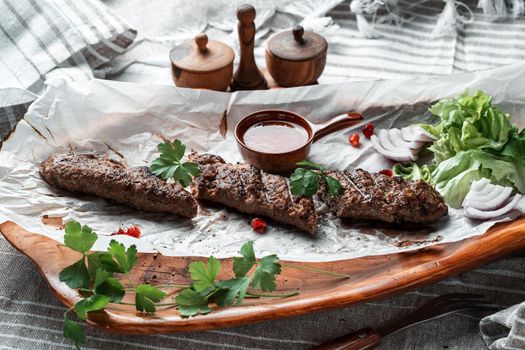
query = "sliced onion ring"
x=479 y=185
x=400 y=155
x=416 y=133
x=487 y=201
x=490 y=214
x=492 y=202
x=398 y=141
x=485 y=194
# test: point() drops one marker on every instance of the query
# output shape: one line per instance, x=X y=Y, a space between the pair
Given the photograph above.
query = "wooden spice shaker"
x=296 y=57
x=247 y=76
x=202 y=64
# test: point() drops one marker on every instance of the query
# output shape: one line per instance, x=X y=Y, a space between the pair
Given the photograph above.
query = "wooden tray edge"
x=401 y=272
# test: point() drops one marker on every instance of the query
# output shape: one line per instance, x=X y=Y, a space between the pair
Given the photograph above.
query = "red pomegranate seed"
x=354 y=139
x=258 y=225
x=120 y=231
x=368 y=130
x=387 y=172
x=133 y=231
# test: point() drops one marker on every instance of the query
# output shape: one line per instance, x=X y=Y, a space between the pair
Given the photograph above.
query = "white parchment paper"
x=127 y=121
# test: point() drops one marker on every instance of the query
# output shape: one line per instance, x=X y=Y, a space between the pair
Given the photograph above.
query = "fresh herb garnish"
x=93 y=273
x=305 y=182
x=146 y=296
x=169 y=164
x=94 y=276
x=205 y=290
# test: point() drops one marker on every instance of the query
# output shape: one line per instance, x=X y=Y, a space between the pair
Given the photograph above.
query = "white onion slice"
x=398 y=141
x=416 y=133
x=425 y=134
x=479 y=185
x=492 y=202
x=488 y=192
x=400 y=155
x=486 y=201
x=384 y=138
x=490 y=214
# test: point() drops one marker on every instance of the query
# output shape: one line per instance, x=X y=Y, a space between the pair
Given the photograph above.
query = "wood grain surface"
x=202 y=64
x=372 y=277
x=296 y=57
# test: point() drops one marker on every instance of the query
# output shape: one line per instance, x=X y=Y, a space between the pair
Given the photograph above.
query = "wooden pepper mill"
x=247 y=76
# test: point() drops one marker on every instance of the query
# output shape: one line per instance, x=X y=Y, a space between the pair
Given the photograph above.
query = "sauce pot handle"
x=336 y=123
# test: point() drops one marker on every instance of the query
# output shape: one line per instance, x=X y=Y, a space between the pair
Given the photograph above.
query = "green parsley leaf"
x=241 y=265
x=93 y=303
x=169 y=165
x=304 y=182
x=203 y=276
x=334 y=187
x=311 y=165
x=265 y=273
x=108 y=285
x=93 y=263
x=119 y=259
x=192 y=303
x=101 y=276
x=191 y=168
x=75 y=275
x=74 y=331
x=231 y=289
x=79 y=238
x=146 y=296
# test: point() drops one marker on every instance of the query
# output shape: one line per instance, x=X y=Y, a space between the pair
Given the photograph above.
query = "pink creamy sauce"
x=275 y=137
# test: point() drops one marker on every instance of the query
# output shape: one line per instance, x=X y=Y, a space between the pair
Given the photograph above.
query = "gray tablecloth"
x=93 y=36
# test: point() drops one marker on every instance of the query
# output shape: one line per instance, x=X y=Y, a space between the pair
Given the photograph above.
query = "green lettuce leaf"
x=469 y=122
x=414 y=171
x=475 y=140
x=454 y=176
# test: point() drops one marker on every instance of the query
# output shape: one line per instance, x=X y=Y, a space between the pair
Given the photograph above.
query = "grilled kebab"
x=107 y=178
x=374 y=196
x=252 y=191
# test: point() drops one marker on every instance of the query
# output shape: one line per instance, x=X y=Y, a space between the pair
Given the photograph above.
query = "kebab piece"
x=381 y=197
x=106 y=178
x=252 y=191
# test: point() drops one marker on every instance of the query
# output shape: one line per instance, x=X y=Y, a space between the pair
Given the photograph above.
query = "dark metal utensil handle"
x=362 y=339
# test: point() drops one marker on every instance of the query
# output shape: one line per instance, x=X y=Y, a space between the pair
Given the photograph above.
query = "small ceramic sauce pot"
x=281 y=162
x=296 y=57
x=202 y=64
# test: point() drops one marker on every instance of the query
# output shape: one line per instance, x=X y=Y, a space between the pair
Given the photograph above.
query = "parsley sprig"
x=305 y=182
x=205 y=290
x=95 y=276
x=169 y=164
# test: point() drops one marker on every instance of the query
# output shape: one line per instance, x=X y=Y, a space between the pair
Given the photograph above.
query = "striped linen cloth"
x=44 y=39
x=41 y=39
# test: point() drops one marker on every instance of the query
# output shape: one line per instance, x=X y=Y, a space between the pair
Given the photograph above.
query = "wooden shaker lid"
x=297 y=45
x=201 y=55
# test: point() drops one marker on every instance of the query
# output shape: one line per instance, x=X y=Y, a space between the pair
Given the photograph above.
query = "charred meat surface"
x=106 y=178
x=381 y=197
x=252 y=191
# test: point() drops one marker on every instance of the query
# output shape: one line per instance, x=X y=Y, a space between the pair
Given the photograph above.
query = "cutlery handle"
x=362 y=339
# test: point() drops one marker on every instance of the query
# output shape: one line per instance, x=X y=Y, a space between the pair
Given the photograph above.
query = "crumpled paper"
x=127 y=121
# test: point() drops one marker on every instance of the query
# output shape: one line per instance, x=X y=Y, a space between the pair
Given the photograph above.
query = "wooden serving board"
x=372 y=277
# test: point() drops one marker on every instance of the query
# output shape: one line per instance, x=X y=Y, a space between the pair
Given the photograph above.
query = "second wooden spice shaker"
x=296 y=57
